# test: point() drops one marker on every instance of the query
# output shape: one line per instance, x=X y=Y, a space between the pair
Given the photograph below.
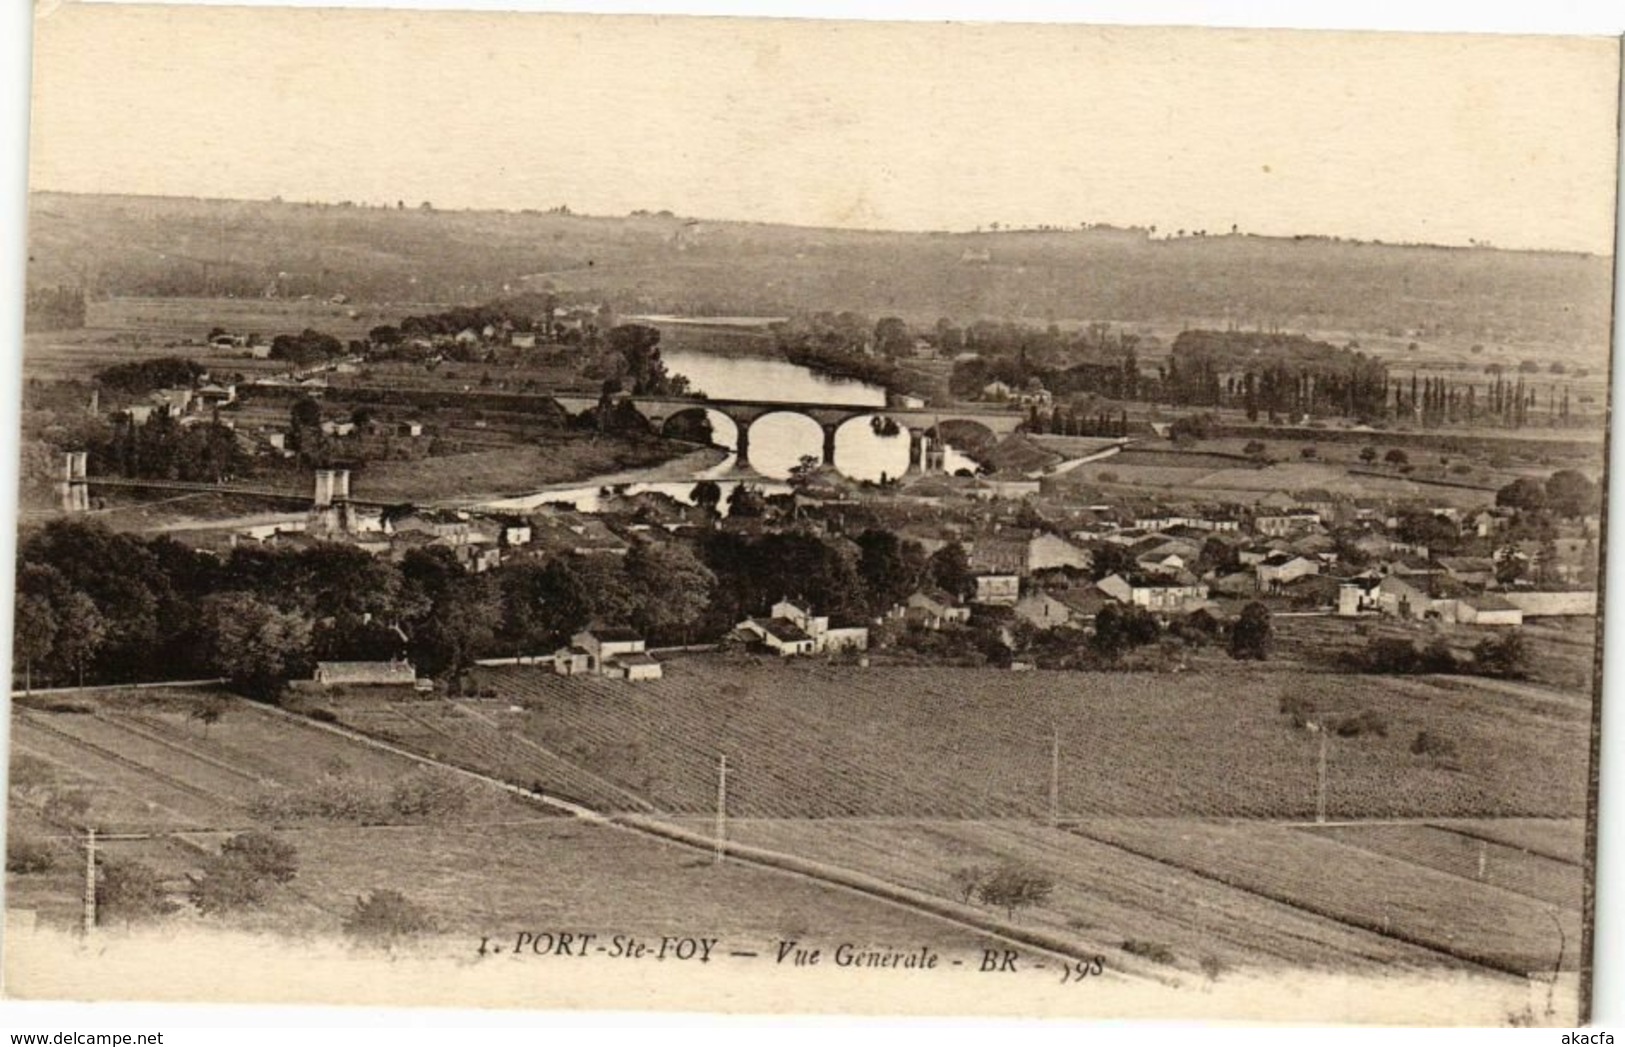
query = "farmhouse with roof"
x=934 y=609
x=997 y=590
x=1043 y=611
x=1277 y=569
x=1166 y=593
x=394 y=673
x=614 y=652
x=791 y=629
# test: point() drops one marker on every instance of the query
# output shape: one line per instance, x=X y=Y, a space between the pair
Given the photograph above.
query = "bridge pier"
x=829 y=443
x=73 y=490
x=922 y=453
x=742 y=444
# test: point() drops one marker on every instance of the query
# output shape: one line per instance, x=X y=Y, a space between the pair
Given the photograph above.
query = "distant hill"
x=126 y=245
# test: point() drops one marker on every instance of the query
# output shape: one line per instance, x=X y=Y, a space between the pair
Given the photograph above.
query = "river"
x=778 y=441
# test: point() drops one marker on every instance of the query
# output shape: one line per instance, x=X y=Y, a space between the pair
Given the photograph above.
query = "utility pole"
x=722 y=809
x=90 y=880
x=1320 y=803
x=1320 y=789
x=1055 y=774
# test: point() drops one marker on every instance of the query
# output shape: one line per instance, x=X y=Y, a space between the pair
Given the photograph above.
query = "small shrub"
x=1156 y=952
x=1212 y=966
x=25 y=856
x=385 y=917
x=228 y=882
x=1393 y=655
x=323 y=715
x=268 y=856
x=1012 y=887
x=1297 y=707
x=334 y=799
x=130 y=891
x=1437 y=746
x=429 y=794
x=967 y=880
x=1108 y=477
x=1502 y=656
x=1367 y=721
x=1437 y=657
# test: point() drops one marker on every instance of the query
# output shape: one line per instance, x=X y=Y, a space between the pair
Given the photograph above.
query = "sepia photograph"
x=748 y=515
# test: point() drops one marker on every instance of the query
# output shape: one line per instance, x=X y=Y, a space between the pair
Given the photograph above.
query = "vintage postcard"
x=562 y=511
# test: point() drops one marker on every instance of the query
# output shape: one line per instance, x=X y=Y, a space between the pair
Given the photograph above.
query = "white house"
x=613 y=652
x=367 y=674
x=1000 y=590
x=1173 y=594
x=1285 y=523
x=936 y=609
x=1279 y=568
x=1488 y=609
x=791 y=629
x=1043 y=610
x=1047 y=551
x=1398 y=598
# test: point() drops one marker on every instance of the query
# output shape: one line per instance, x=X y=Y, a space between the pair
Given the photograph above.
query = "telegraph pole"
x=1320 y=788
x=1055 y=774
x=90 y=880
x=1320 y=802
x=722 y=809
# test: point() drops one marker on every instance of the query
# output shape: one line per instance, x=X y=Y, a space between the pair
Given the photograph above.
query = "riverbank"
x=563 y=460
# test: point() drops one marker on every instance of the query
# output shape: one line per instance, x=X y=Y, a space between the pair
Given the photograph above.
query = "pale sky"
x=1510 y=139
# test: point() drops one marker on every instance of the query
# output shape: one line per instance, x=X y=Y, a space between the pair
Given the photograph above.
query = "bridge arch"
x=776 y=441
x=872 y=446
x=684 y=424
x=964 y=434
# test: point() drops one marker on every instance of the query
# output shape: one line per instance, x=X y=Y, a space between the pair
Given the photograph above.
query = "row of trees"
x=532 y=312
x=1273 y=373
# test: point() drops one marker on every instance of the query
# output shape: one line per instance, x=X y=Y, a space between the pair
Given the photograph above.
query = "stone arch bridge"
x=919 y=421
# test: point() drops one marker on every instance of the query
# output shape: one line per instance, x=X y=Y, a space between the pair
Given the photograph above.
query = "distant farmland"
x=170 y=247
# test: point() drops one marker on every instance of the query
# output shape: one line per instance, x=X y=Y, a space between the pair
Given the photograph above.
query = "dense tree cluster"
x=634 y=364
x=97 y=606
x=140 y=377
x=161 y=448
x=307 y=347
x=840 y=344
x=1266 y=374
x=1566 y=493
x=1273 y=373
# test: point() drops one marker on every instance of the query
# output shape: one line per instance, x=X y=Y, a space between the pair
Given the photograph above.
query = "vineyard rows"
x=1102 y=896
x=813 y=740
x=1475 y=922
x=451 y=734
x=1477 y=859
x=139 y=797
x=1560 y=839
